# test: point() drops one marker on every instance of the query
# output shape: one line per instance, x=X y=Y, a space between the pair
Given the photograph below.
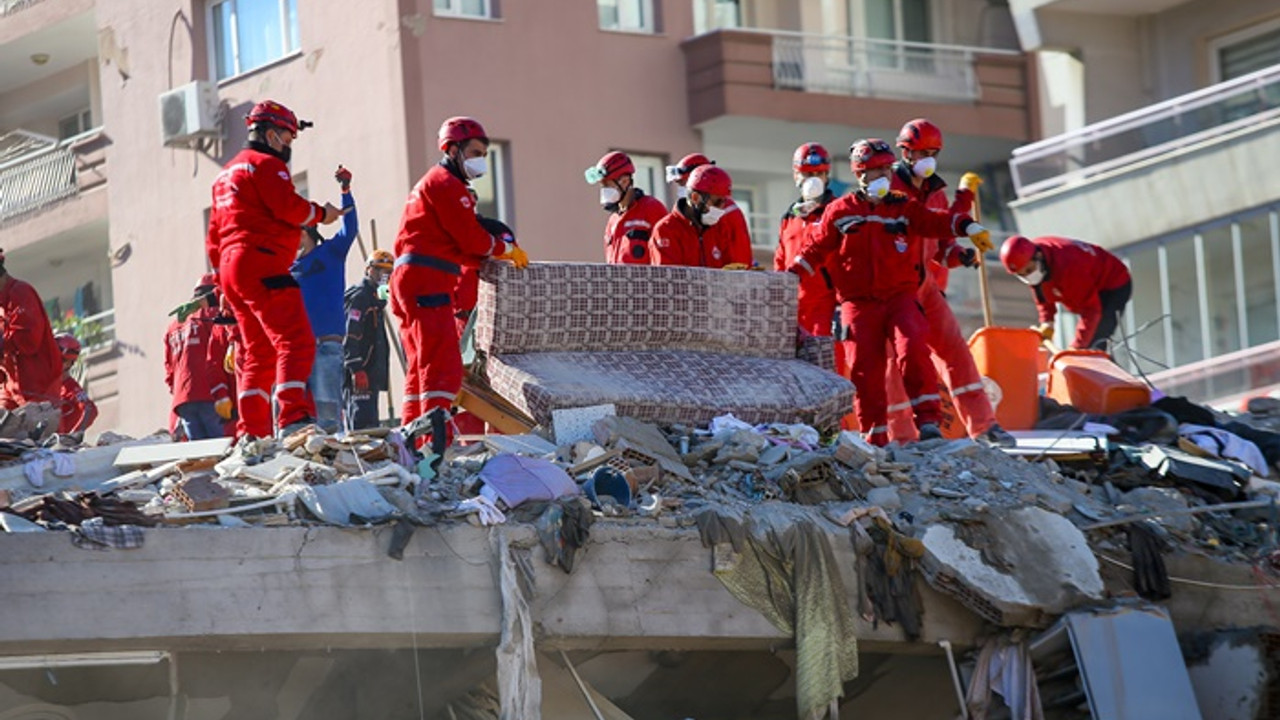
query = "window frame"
x=657 y=164
x=287 y=33
x=648 y=11
x=83 y=119
x=499 y=174
x=455 y=10
x=1217 y=44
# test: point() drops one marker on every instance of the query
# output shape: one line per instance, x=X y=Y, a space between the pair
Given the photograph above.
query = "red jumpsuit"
x=194 y=354
x=677 y=241
x=626 y=235
x=31 y=360
x=740 y=233
x=439 y=232
x=872 y=251
x=1076 y=273
x=78 y=411
x=817 y=297
x=950 y=350
x=254 y=229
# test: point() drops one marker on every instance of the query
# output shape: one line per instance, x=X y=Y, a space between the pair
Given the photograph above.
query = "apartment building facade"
x=1160 y=119
x=104 y=204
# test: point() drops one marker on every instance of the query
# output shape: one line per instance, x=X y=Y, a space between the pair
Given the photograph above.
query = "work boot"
x=996 y=436
x=293 y=427
x=930 y=431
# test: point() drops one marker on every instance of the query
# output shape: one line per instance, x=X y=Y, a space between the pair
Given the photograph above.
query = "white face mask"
x=476 y=166
x=925 y=167
x=1034 y=277
x=610 y=195
x=682 y=192
x=878 y=188
x=812 y=187
x=712 y=215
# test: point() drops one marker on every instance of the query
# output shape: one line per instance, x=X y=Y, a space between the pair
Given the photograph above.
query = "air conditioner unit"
x=189 y=112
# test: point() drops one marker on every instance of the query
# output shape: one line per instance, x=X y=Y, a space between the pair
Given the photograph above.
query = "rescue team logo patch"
x=354 y=314
x=283 y=175
x=466 y=201
x=715 y=253
x=900 y=244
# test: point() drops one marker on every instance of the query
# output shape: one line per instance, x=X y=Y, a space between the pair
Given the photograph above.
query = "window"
x=248 y=34
x=898 y=21
x=491 y=188
x=651 y=175
x=464 y=8
x=1246 y=51
x=73 y=125
x=627 y=15
x=711 y=15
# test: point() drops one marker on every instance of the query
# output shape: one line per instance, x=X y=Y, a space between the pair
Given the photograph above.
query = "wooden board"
x=493 y=409
x=168 y=452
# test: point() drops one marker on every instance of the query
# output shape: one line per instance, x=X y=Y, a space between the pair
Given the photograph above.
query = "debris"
x=136 y=455
x=514 y=480
x=1046 y=566
x=571 y=425
x=346 y=502
x=1224 y=479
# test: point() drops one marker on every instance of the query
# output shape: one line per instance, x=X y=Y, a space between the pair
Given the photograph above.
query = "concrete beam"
x=636 y=587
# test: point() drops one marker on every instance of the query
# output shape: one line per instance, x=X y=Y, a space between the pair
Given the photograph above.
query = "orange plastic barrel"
x=1093 y=383
x=1008 y=360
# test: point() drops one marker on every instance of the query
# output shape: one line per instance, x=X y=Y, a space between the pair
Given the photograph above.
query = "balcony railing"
x=12 y=7
x=874 y=68
x=44 y=174
x=1148 y=132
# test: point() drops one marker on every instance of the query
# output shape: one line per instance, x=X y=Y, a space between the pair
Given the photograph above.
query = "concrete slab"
x=168 y=452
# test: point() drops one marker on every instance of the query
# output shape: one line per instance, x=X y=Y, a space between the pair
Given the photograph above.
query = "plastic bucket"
x=1091 y=382
x=607 y=481
x=1008 y=359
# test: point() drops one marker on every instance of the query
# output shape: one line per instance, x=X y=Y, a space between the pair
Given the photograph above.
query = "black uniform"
x=364 y=348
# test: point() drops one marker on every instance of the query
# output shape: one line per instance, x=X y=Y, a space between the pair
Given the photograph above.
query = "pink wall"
x=561 y=92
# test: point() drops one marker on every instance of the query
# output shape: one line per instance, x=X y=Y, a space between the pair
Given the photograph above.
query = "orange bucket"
x=1091 y=382
x=1008 y=359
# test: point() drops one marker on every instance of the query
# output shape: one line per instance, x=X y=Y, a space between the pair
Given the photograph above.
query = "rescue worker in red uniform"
x=254 y=229
x=632 y=214
x=439 y=232
x=28 y=355
x=1086 y=279
x=78 y=411
x=870 y=242
x=194 y=367
x=692 y=234
x=915 y=174
x=734 y=220
x=811 y=169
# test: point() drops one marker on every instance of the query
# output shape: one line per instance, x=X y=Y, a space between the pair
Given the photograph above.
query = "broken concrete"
x=1032 y=565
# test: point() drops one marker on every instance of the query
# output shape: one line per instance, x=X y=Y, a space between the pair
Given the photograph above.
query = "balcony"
x=859 y=81
x=38 y=172
x=1197 y=149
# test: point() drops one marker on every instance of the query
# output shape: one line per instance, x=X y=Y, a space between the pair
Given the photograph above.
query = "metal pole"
x=987 y=320
x=955 y=678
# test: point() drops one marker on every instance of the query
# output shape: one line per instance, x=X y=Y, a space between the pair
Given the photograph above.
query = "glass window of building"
x=1246 y=51
x=492 y=199
x=651 y=175
x=711 y=15
x=464 y=8
x=626 y=15
x=248 y=34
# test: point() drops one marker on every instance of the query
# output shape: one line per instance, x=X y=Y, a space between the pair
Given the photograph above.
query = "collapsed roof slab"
x=319 y=587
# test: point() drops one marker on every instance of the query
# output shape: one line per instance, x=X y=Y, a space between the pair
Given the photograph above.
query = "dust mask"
x=878 y=188
x=1035 y=277
x=712 y=215
x=476 y=166
x=812 y=187
x=610 y=196
x=924 y=167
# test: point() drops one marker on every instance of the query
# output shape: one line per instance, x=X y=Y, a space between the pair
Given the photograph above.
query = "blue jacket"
x=322 y=275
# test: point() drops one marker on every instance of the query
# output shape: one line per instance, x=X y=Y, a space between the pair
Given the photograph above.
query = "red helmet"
x=869 y=154
x=272 y=113
x=610 y=167
x=1016 y=252
x=811 y=157
x=68 y=345
x=460 y=130
x=680 y=171
x=920 y=134
x=710 y=180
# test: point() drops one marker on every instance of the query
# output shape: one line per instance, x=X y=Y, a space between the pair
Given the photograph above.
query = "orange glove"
x=516 y=255
x=971 y=182
x=223 y=407
x=229 y=360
